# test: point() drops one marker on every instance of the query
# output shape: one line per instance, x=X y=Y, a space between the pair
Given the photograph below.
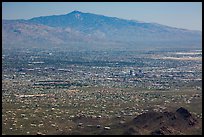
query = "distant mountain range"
x=87 y=30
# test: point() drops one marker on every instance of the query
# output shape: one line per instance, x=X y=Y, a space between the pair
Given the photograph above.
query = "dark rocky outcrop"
x=183 y=112
x=179 y=122
x=165 y=123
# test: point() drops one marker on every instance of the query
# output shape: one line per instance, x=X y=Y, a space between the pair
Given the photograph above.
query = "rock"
x=98 y=126
x=39 y=133
x=183 y=112
x=157 y=132
x=107 y=128
x=131 y=131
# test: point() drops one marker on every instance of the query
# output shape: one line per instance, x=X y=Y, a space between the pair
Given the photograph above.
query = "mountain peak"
x=75 y=12
x=94 y=27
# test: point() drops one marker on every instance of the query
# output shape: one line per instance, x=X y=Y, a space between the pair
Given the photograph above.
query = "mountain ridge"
x=95 y=27
x=79 y=12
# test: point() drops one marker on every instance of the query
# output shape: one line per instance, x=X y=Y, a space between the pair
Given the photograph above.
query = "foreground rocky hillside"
x=180 y=122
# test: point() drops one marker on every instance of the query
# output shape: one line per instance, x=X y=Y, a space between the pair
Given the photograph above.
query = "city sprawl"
x=94 y=92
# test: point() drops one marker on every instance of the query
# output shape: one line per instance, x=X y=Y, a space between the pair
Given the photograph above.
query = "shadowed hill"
x=180 y=122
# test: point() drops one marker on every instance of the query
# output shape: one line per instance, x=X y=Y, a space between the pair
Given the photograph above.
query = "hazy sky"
x=176 y=14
